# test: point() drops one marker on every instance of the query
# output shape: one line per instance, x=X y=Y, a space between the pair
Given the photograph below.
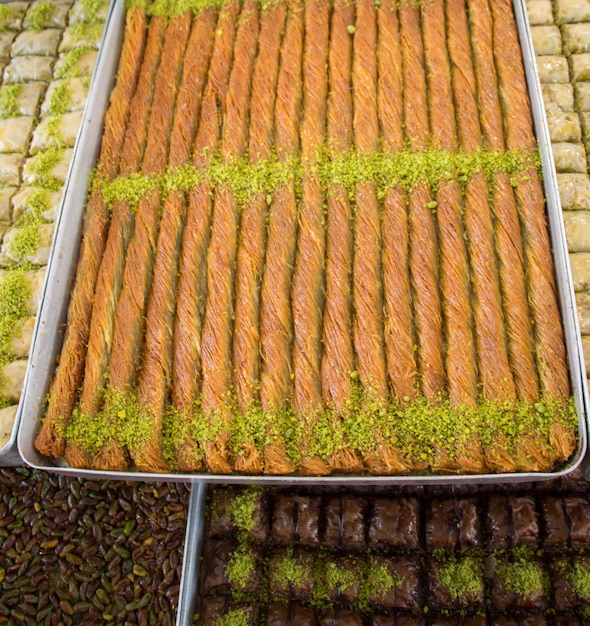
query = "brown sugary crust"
x=130 y=316
x=276 y=320
x=309 y=276
x=513 y=283
x=110 y=276
x=424 y=271
x=423 y=238
x=276 y=330
x=219 y=309
x=463 y=76
x=460 y=364
x=508 y=244
x=460 y=361
x=366 y=270
x=550 y=345
x=549 y=342
x=190 y=91
x=192 y=284
x=156 y=371
x=252 y=237
x=416 y=126
x=64 y=387
x=338 y=354
x=492 y=352
x=156 y=374
x=127 y=74
x=488 y=99
x=186 y=364
x=389 y=63
x=494 y=368
x=398 y=327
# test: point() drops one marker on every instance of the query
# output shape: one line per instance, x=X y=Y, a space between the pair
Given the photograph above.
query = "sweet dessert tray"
x=289 y=555
x=314 y=248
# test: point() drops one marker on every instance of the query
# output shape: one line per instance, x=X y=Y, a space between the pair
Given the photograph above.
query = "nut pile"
x=87 y=552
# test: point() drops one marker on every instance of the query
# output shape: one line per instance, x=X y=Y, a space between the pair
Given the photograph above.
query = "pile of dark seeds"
x=87 y=552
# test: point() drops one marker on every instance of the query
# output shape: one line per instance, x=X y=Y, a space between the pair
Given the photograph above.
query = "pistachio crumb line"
x=422 y=432
x=386 y=170
x=172 y=8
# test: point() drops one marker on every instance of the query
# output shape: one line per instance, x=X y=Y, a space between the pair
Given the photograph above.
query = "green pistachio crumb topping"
x=87 y=31
x=134 y=421
x=45 y=161
x=185 y=179
x=69 y=62
x=39 y=15
x=286 y=572
x=377 y=582
x=243 y=507
x=91 y=8
x=522 y=576
x=15 y=293
x=55 y=131
x=240 y=568
x=61 y=99
x=25 y=242
x=88 y=432
x=122 y=419
x=580 y=579
x=236 y=617
x=422 y=432
x=339 y=578
x=161 y=8
x=174 y=8
x=249 y=427
x=463 y=578
x=140 y=4
x=268 y=5
x=176 y=432
x=129 y=189
x=6 y=16
x=9 y=95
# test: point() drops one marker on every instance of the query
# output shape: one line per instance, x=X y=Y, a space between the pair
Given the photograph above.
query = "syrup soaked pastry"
x=320 y=248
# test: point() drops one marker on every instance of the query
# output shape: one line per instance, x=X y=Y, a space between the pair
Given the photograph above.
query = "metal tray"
x=193 y=542
x=62 y=267
x=9 y=453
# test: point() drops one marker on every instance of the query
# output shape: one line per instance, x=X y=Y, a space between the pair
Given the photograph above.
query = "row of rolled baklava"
x=307 y=323
x=305 y=557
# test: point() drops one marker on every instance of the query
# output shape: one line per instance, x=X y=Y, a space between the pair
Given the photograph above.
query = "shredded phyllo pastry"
x=315 y=242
